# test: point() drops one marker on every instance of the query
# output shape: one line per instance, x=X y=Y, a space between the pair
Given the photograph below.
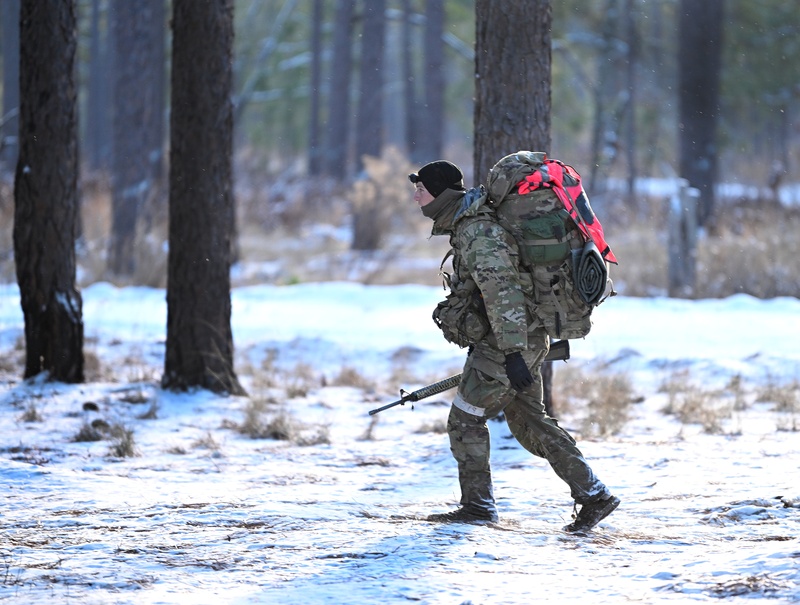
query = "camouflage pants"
x=484 y=393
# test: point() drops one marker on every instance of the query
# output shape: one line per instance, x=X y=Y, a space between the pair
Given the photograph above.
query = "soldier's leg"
x=470 y=444
x=540 y=434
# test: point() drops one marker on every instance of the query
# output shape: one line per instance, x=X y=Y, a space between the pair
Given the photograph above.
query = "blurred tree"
x=138 y=125
x=199 y=351
x=9 y=117
x=632 y=59
x=409 y=93
x=608 y=99
x=512 y=91
x=337 y=139
x=314 y=139
x=431 y=141
x=369 y=123
x=46 y=191
x=700 y=60
x=97 y=144
x=759 y=91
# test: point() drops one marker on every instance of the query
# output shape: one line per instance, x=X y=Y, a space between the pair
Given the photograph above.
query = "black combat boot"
x=466 y=514
x=591 y=514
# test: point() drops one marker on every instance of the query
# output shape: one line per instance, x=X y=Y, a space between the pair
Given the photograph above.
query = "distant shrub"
x=31 y=414
x=123 y=443
x=87 y=433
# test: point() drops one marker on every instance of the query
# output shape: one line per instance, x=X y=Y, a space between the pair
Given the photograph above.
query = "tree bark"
x=199 y=351
x=46 y=191
x=369 y=126
x=338 y=125
x=314 y=144
x=512 y=80
x=700 y=64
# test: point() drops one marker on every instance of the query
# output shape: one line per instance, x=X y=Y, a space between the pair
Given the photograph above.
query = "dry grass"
x=280 y=425
x=602 y=399
x=783 y=394
x=369 y=432
x=742 y=253
x=676 y=383
x=88 y=433
x=785 y=398
x=710 y=408
x=736 y=389
x=207 y=442
x=301 y=381
x=351 y=377
x=31 y=414
x=123 y=444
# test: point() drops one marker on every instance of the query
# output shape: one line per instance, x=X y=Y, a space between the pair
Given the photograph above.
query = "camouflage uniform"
x=488 y=254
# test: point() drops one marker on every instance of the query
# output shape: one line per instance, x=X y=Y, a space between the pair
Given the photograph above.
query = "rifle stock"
x=559 y=350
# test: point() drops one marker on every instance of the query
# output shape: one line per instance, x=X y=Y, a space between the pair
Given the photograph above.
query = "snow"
x=206 y=514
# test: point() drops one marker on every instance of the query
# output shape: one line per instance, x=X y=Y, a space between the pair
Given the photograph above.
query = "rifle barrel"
x=558 y=351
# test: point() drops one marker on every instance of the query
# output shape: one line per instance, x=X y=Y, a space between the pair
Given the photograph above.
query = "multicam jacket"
x=485 y=252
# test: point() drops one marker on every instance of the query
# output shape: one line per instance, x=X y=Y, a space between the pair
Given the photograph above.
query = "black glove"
x=517 y=371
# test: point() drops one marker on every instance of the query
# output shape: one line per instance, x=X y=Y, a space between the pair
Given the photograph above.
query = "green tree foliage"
x=761 y=76
x=272 y=63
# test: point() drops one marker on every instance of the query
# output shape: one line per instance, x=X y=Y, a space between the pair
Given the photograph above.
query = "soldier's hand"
x=517 y=371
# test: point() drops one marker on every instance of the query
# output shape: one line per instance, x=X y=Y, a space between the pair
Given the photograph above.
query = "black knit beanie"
x=438 y=176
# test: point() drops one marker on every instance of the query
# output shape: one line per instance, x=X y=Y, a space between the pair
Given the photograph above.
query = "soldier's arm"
x=491 y=258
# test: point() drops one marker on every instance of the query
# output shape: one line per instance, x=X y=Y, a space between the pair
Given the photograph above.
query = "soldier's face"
x=421 y=195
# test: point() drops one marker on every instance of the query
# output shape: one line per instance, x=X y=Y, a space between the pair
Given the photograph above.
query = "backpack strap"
x=447 y=279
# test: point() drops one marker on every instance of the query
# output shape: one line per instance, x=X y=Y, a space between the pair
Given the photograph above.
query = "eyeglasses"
x=414 y=178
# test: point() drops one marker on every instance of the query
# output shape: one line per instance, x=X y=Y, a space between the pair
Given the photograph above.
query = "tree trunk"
x=199 y=350
x=98 y=123
x=314 y=146
x=369 y=126
x=630 y=142
x=366 y=212
x=604 y=127
x=512 y=91
x=409 y=94
x=431 y=142
x=9 y=117
x=46 y=191
x=138 y=123
x=699 y=66
x=338 y=125
x=512 y=75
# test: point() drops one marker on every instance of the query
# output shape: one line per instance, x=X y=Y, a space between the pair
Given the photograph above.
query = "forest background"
x=318 y=197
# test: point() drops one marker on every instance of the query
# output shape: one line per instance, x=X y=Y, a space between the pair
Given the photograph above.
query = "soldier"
x=503 y=369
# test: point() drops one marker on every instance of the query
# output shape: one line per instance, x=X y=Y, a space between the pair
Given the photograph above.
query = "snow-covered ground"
x=206 y=514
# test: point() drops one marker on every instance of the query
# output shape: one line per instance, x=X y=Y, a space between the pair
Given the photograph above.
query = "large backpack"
x=541 y=202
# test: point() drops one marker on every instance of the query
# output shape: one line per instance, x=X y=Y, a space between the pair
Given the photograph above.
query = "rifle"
x=559 y=350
